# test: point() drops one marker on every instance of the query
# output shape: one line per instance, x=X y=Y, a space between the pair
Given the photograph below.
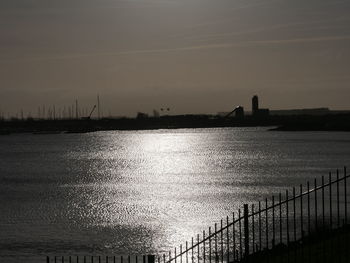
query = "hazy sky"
x=194 y=56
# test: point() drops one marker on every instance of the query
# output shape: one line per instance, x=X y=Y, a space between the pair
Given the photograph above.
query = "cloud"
x=240 y=44
x=299 y=40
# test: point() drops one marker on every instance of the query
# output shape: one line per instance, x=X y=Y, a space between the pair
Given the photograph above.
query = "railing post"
x=287 y=216
x=259 y=226
x=253 y=228
x=180 y=253
x=280 y=215
x=234 y=236
x=192 y=245
x=267 y=224
x=198 y=249
x=151 y=258
x=323 y=215
x=222 y=241
x=216 y=243
x=204 y=253
x=240 y=234
x=308 y=209
x=186 y=252
x=294 y=217
x=301 y=212
x=273 y=222
x=209 y=245
x=316 y=225
x=338 y=207
x=330 y=201
x=345 y=198
x=246 y=230
x=227 y=240
x=47 y=259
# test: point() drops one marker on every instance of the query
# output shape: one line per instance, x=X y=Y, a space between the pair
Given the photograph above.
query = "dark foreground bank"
x=322 y=246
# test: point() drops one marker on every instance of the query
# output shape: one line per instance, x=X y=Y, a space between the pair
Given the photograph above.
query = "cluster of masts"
x=73 y=111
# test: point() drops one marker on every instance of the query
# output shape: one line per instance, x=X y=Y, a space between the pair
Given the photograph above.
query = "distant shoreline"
x=338 y=122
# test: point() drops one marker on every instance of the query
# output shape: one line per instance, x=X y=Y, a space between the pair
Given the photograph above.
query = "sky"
x=193 y=56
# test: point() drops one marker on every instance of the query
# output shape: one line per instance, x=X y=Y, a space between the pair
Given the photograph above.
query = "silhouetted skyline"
x=193 y=56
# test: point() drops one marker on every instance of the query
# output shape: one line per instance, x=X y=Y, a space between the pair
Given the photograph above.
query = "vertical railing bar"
x=273 y=222
x=209 y=245
x=234 y=236
x=301 y=223
x=180 y=253
x=330 y=201
x=345 y=198
x=294 y=217
x=227 y=239
x=175 y=255
x=246 y=230
x=259 y=226
x=301 y=213
x=280 y=215
x=186 y=252
x=338 y=205
x=222 y=241
x=267 y=225
x=216 y=244
x=316 y=215
x=192 y=245
x=287 y=216
x=253 y=228
x=240 y=233
x=323 y=216
x=308 y=209
x=204 y=246
x=198 y=252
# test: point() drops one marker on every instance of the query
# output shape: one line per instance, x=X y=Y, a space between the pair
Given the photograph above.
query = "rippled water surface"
x=144 y=191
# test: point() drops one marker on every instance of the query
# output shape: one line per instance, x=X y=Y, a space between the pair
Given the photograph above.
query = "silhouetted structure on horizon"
x=256 y=112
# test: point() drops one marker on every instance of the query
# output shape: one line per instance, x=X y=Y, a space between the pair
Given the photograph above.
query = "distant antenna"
x=98 y=106
x=76 y=109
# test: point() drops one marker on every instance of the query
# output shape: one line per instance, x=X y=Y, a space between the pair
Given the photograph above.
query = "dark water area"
x=138 y=192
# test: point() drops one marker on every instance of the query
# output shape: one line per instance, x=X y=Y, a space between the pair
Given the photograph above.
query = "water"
x=144 y=191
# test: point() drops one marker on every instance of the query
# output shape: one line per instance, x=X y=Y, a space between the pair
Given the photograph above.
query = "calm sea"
x=144 y=191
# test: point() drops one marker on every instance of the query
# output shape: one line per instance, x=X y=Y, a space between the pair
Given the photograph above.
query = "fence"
x=102 y=259
x=279 y=224
x=285 y=226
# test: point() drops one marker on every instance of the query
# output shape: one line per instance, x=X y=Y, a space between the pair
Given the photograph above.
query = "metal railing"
x=281 y=221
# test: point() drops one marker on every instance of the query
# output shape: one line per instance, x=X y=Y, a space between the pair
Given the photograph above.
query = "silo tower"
x=255 y=105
